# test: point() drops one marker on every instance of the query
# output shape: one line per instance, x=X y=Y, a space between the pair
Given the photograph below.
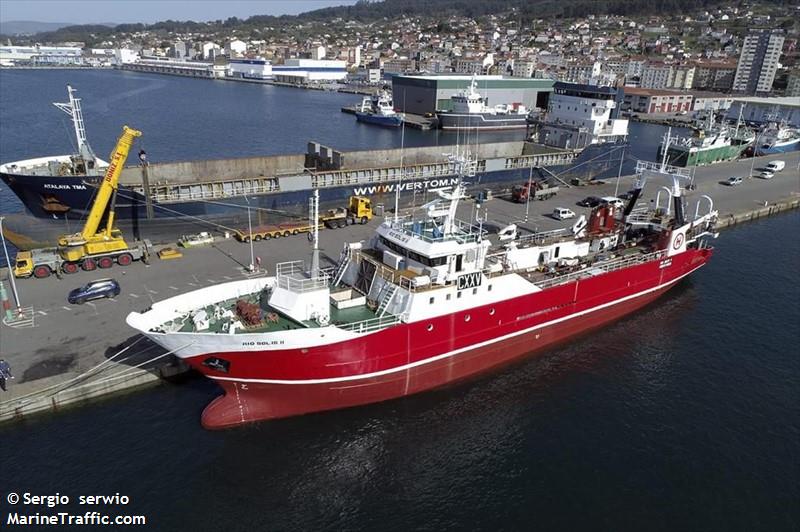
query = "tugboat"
x=379 y=109
x=471 y=112
x=427 y=301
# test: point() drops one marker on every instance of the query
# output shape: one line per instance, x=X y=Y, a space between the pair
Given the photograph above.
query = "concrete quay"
x=68 y=354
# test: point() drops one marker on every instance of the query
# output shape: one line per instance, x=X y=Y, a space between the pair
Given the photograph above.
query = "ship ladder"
x=389 y=291
x=344 y=261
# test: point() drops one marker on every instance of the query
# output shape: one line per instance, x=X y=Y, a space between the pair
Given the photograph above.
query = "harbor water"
x=683 y=416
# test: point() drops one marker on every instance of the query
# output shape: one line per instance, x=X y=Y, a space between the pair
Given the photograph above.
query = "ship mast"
x=313 y=221
x=73 y=109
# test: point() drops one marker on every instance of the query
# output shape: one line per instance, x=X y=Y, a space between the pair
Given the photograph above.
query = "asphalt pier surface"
x=63 y=354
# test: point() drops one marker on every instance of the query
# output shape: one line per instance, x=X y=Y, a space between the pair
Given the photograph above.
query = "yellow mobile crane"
x=95 y=246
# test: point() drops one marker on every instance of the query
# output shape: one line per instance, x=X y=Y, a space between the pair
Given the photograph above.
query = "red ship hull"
x=414 y=357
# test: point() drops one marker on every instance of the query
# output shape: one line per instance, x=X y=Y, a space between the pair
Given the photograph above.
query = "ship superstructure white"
x=580 y=115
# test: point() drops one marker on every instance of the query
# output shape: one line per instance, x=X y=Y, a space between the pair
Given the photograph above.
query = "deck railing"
x=294 y=276
x=371 y=324
x=543 y=236
x=430 y=232
x=605 y=267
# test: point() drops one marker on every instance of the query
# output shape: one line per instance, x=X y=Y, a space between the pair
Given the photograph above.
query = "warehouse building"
x=647 y=101
x=428 y=94
x=258 y=68
x=763 y=109
x=305 y=71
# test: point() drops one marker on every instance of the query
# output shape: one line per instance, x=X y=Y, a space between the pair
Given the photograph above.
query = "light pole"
x=250 y=235
x=753 y=158
x=10 y=270
x=619 y=173
x=528 y=195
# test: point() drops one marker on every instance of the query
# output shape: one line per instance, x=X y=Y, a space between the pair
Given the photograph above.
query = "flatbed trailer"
x=267 y=232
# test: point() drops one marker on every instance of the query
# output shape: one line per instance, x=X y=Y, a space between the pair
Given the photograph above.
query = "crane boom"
x=109 y=184
x=90 y=248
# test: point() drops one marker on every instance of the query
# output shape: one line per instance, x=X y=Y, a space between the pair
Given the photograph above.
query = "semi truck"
x=95 y=246
x=541 y=191
x=358 y=210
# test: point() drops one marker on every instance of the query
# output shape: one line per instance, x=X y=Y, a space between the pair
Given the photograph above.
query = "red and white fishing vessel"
x=429 y=300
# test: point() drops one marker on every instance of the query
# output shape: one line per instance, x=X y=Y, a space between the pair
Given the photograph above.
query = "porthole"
x=430 y=327
x=466 y=318
x=474 y=291
x=491 y=312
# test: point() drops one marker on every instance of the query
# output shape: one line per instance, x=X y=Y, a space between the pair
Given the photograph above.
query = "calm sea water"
x=684 y=416
x=190 y=119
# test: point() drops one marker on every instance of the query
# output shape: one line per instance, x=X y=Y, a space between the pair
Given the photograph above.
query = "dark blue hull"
x=59 y=201
x=785 y=148
x=387 y=121
x=481 y=121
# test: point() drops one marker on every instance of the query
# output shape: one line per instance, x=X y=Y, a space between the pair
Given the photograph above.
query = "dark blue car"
x=94 y=290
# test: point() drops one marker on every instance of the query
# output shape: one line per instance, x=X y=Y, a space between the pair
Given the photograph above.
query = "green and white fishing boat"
x=709 y=144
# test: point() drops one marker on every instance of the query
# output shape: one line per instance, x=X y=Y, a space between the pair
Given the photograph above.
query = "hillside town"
x=664 y=65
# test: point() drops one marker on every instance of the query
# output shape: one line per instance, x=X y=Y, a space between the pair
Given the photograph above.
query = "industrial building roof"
x=778 y=100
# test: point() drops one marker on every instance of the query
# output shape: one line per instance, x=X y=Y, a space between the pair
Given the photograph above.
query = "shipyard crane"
x=95 y=245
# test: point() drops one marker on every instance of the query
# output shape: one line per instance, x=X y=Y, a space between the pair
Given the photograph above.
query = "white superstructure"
x=580 y=115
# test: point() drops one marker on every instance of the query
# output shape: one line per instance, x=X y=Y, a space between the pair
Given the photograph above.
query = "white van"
x=560 y=213
x=613 y=201
x=776 y=166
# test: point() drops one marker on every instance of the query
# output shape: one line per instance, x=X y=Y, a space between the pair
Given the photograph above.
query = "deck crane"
x=95 y=245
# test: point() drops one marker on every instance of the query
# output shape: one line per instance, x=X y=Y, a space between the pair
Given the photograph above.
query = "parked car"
x=625 y=196
x=94 y=290
x=200 y=239
x=614 y=201
x=560 y=213
x=766 y=174
x=776 y=166
x=733 y=181
x=590 y=201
